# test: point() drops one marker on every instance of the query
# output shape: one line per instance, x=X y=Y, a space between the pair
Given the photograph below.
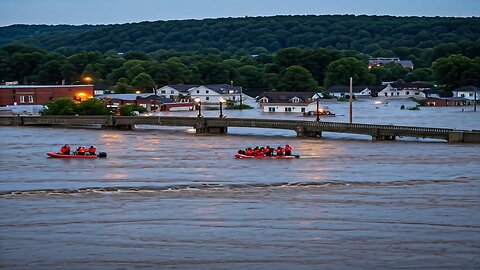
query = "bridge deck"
x=220 y=125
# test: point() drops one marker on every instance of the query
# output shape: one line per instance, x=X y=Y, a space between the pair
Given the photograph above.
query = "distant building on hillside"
x=381 y=61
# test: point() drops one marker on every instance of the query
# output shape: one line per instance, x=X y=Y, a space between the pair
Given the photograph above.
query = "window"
x=408 y=93
x=172 y=92
x=207 y=91
x=303 y=109
x=271 y=109
x=470 y=95
x=30 y=99
x=163 y=92
x=198 y=91
x=207 y=98
x=288 y=109
x=22 y=99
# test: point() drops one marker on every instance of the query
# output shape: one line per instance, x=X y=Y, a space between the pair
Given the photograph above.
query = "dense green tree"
x=144 y=82
x=249 y=35
x=339 y=72
x=135 y=55
x=455 y=71
x=49 y=73
x=297 y=79
x=128 y=110
x=419 y=74
x=60 y=106
x=122 y=88
x=92 y=106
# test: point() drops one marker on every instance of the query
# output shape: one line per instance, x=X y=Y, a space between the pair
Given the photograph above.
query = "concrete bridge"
x=220 y=125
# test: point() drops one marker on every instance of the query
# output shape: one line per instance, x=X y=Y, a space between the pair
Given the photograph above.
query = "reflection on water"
x=167 y=198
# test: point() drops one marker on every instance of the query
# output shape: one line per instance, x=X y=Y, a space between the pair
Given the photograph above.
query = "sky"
x=74 y=12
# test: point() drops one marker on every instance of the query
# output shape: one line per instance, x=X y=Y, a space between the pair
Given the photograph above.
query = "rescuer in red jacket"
x=288 y=150
x=279 y=151
x=92 y=150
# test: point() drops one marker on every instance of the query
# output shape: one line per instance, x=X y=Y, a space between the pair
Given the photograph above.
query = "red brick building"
x=446 y=101
x=42 y=94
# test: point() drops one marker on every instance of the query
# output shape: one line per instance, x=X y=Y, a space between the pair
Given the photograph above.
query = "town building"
x=413 y=89
x=42 y=94
x=213 y=93
x=469 y=92
x=287 y=101
x=207 y=94
x=149 y=101
x=446 y=101
x=177 y=92
x=340 y=91
x=380 y=61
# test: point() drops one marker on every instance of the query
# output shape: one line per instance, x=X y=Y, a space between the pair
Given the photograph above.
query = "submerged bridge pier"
x=210 y=125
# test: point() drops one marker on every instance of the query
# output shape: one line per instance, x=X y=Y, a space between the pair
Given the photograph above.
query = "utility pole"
x=155 y=101
x=351 y=94
x=241 y=98
x=474 y=100
x=318 y=110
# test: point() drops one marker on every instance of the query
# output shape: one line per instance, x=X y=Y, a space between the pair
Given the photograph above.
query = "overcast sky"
x=127 y=11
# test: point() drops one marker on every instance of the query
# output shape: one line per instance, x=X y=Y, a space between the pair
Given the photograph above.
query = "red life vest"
x=92 y=150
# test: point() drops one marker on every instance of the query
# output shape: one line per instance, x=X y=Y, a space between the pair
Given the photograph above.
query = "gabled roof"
x=224 y=88
x=450 y=98
x=123 y=96
x=346 y=89
x=183 y=87
x=402 y=85
x=219 y=88
x=468 y=88
x=285 y=97
x=377 y=89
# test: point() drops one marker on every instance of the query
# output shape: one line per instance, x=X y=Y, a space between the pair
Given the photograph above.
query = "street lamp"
x=87 y=80
x=221 y=101
x=199 y=104
x=318 y=109
x=137 y=92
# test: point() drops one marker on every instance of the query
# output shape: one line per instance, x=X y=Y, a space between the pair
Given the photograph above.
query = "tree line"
x=404 y=37
x=290 y=69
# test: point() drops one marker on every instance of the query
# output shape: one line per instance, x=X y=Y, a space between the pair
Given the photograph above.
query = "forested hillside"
x=366 y=34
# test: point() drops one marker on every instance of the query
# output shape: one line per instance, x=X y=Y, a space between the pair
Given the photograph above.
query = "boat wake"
x=219 y=187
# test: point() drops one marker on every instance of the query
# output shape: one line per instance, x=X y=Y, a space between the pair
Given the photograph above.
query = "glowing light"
x=87 y=79
x=378 y=102
x=197 y=100
x=137 y=92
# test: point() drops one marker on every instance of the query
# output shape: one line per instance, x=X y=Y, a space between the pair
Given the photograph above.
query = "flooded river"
x=167 y=198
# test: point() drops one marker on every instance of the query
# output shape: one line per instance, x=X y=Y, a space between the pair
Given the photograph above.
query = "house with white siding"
x=340 y=91
x=179 y=92
x=467 y=92
x=289 y=102
x=212 y=93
